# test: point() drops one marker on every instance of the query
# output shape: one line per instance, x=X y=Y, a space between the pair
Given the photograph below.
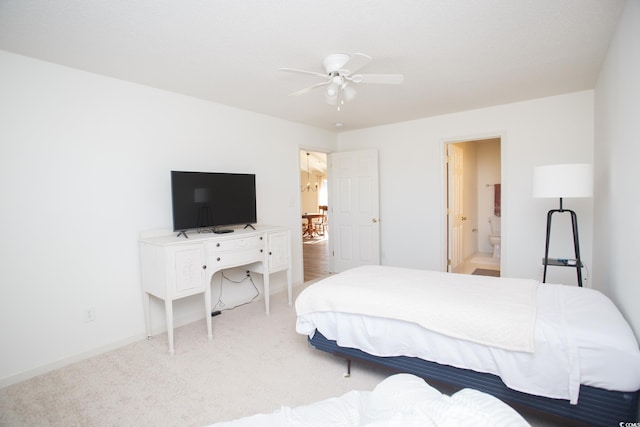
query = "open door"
x=354 y=209
x=455 y=207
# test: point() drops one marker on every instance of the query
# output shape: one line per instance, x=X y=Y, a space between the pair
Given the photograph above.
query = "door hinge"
x=448 y=261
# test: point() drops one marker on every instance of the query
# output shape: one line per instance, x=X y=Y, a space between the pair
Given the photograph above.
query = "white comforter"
x=580 y=338
x=402 y=400
x=498 y=313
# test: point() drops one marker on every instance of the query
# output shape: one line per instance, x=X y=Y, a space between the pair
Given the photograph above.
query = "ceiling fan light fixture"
x=348 y=93
x=333 y=90
x=340 y=77
x=332 y=94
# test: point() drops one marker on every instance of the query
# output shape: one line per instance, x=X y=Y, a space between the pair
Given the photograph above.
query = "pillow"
x=395 y=394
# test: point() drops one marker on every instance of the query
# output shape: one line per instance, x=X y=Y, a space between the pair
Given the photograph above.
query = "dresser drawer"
x=234 y=259
x=235 y=244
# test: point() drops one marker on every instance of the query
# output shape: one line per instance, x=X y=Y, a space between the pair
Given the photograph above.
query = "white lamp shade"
x=569 y=180
x=331 y=94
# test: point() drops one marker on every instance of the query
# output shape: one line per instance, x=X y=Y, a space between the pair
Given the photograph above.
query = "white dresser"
x=174 y=267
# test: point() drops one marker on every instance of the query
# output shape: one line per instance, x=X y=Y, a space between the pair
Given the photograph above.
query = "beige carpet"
x=254 y=364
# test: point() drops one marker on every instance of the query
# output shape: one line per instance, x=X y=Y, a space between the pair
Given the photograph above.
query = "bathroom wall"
x=488 y=170
x=481 y=159
x=470 y=197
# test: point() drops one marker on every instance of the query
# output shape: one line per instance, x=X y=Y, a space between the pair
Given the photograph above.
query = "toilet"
x=494 y=235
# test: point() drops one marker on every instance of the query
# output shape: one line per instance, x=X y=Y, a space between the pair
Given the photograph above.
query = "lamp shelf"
x=561 y=262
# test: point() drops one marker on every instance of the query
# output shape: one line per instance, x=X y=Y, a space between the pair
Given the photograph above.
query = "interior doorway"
x=474 y=206
x=314 y=205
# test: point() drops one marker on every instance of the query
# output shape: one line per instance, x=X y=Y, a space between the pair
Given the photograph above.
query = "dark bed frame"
x=595 y=406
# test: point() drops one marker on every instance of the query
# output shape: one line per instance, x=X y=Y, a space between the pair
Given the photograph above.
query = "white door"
x=354 y=209
x=455 y=206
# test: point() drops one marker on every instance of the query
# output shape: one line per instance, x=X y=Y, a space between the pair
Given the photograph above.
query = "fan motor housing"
x=335 y=62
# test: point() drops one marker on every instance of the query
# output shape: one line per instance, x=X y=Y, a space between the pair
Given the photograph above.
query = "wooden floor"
x=316 y=258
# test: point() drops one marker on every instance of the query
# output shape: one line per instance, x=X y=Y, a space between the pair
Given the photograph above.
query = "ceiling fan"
x=340 y=75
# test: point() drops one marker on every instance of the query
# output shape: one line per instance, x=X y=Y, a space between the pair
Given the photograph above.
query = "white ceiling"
x=455 y=55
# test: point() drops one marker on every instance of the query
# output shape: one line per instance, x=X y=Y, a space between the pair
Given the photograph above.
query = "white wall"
x=84 y=167
x=617 y=169
x=544 y=131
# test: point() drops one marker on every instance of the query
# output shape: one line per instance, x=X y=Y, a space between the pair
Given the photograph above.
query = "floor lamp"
x=562 y=181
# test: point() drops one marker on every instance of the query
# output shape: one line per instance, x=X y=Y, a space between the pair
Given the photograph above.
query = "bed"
x=563 y=350
x=401 y=400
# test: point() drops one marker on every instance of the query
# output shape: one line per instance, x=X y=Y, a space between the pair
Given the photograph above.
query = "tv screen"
x=211 y=200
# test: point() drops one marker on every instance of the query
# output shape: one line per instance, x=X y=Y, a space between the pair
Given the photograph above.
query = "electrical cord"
x=220 y=304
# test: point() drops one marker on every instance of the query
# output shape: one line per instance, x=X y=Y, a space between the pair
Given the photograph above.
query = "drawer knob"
x=218 y=259
x=218 y=244
x=204 y=267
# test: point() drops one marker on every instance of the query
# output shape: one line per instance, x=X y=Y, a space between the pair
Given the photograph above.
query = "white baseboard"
x=22 y=376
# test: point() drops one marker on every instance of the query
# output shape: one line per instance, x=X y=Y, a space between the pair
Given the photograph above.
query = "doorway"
x=474 y=201
x=314 y=198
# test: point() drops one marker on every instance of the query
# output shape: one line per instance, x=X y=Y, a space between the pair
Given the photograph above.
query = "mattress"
x=579 y=336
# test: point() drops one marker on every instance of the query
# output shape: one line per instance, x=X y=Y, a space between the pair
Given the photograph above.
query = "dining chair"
x=322 y=224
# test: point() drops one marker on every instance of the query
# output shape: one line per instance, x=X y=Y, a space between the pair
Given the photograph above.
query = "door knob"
x=464 y=218
x=374 y=219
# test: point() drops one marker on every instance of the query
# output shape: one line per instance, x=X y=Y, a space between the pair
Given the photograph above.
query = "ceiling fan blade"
x=389 y=79
x=355 y=62
x=295 y=70
x=309 y=88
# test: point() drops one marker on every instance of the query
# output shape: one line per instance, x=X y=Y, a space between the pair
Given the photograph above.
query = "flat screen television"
x=209 y=200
